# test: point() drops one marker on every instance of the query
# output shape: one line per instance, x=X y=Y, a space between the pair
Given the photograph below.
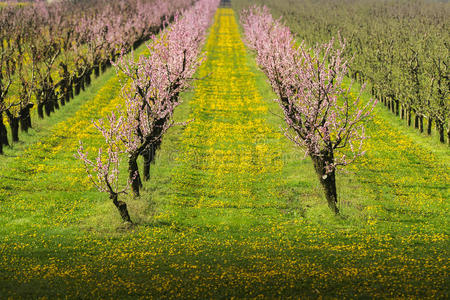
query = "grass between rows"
x=231 y=209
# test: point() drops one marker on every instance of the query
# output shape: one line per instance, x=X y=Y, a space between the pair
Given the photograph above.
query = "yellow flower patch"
x=226 y=142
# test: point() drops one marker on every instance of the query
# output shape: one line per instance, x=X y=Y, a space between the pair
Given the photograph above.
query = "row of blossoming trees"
x=400 y=47
x=151 y=94
x=321 y=116
x=48 y=52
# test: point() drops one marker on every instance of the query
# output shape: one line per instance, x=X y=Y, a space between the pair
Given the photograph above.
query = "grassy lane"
x=231 y=156
x=231 y=209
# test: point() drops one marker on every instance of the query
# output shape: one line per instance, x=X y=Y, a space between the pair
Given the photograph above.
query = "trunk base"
x=327 y=180
x=122 y=208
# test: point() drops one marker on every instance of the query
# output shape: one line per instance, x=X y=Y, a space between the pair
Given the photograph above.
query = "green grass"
x=229 y=211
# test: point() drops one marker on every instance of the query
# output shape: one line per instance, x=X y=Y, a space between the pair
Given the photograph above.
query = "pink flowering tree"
x=103 y=171
x=147 y=108
x=156 y=81
x=322 y=117
x=151 y=92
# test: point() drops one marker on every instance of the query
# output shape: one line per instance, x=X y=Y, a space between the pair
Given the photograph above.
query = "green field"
x=232 y=208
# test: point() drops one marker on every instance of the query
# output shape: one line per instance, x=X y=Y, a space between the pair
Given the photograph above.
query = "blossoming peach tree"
x=322 y=116
x=156 y=83
x=151 y=92
x=104 y=170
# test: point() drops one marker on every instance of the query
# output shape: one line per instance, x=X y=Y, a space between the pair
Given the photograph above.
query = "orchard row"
x=48 y=52
x=151 y=94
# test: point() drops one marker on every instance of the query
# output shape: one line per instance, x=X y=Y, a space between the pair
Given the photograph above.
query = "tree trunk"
x=77 y=86
x=147 y=161
x=88 y=78
x=440 y=127
x=14 y=125
x=421 y=124
x=149 y=157
x=67 y=97
x=23 y=120
x=25 y=117
x=397 y=107
x=62 y=99
x=82 y=83
x=430 y=121
x=448 y=136
x=121 y=207
x=133 y=175
x=40 y=109
x=48 y=107
x=416 y=120
x=3 y=132
x=97 y=71
x=103 y=67
x=328 y=181
x=55 y=102
x=71 y=95
x=403 y=113
x=409 y=116
x=28 y=119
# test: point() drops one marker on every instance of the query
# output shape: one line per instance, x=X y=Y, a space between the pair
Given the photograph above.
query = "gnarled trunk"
x=48 y=105
x=121 y=207
x=3 y=133
x=83 y=82
x=103 y=67
x=448 y=136
x=62 y=100
x=88 y=78
x=147 y=161
x=25 y=118
x=77 y=86
x=40 y=110
x=430 y=121
x=133 y=174
x=149 y=157
x=66 y=97
x=97 y=71
x=71 y=95
x=55 y=102
x=421 y=123
x=327 y=180
x=14 y=125
x=397 y=107
x=416 y=119
x=440 y=128
x=409 y=116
